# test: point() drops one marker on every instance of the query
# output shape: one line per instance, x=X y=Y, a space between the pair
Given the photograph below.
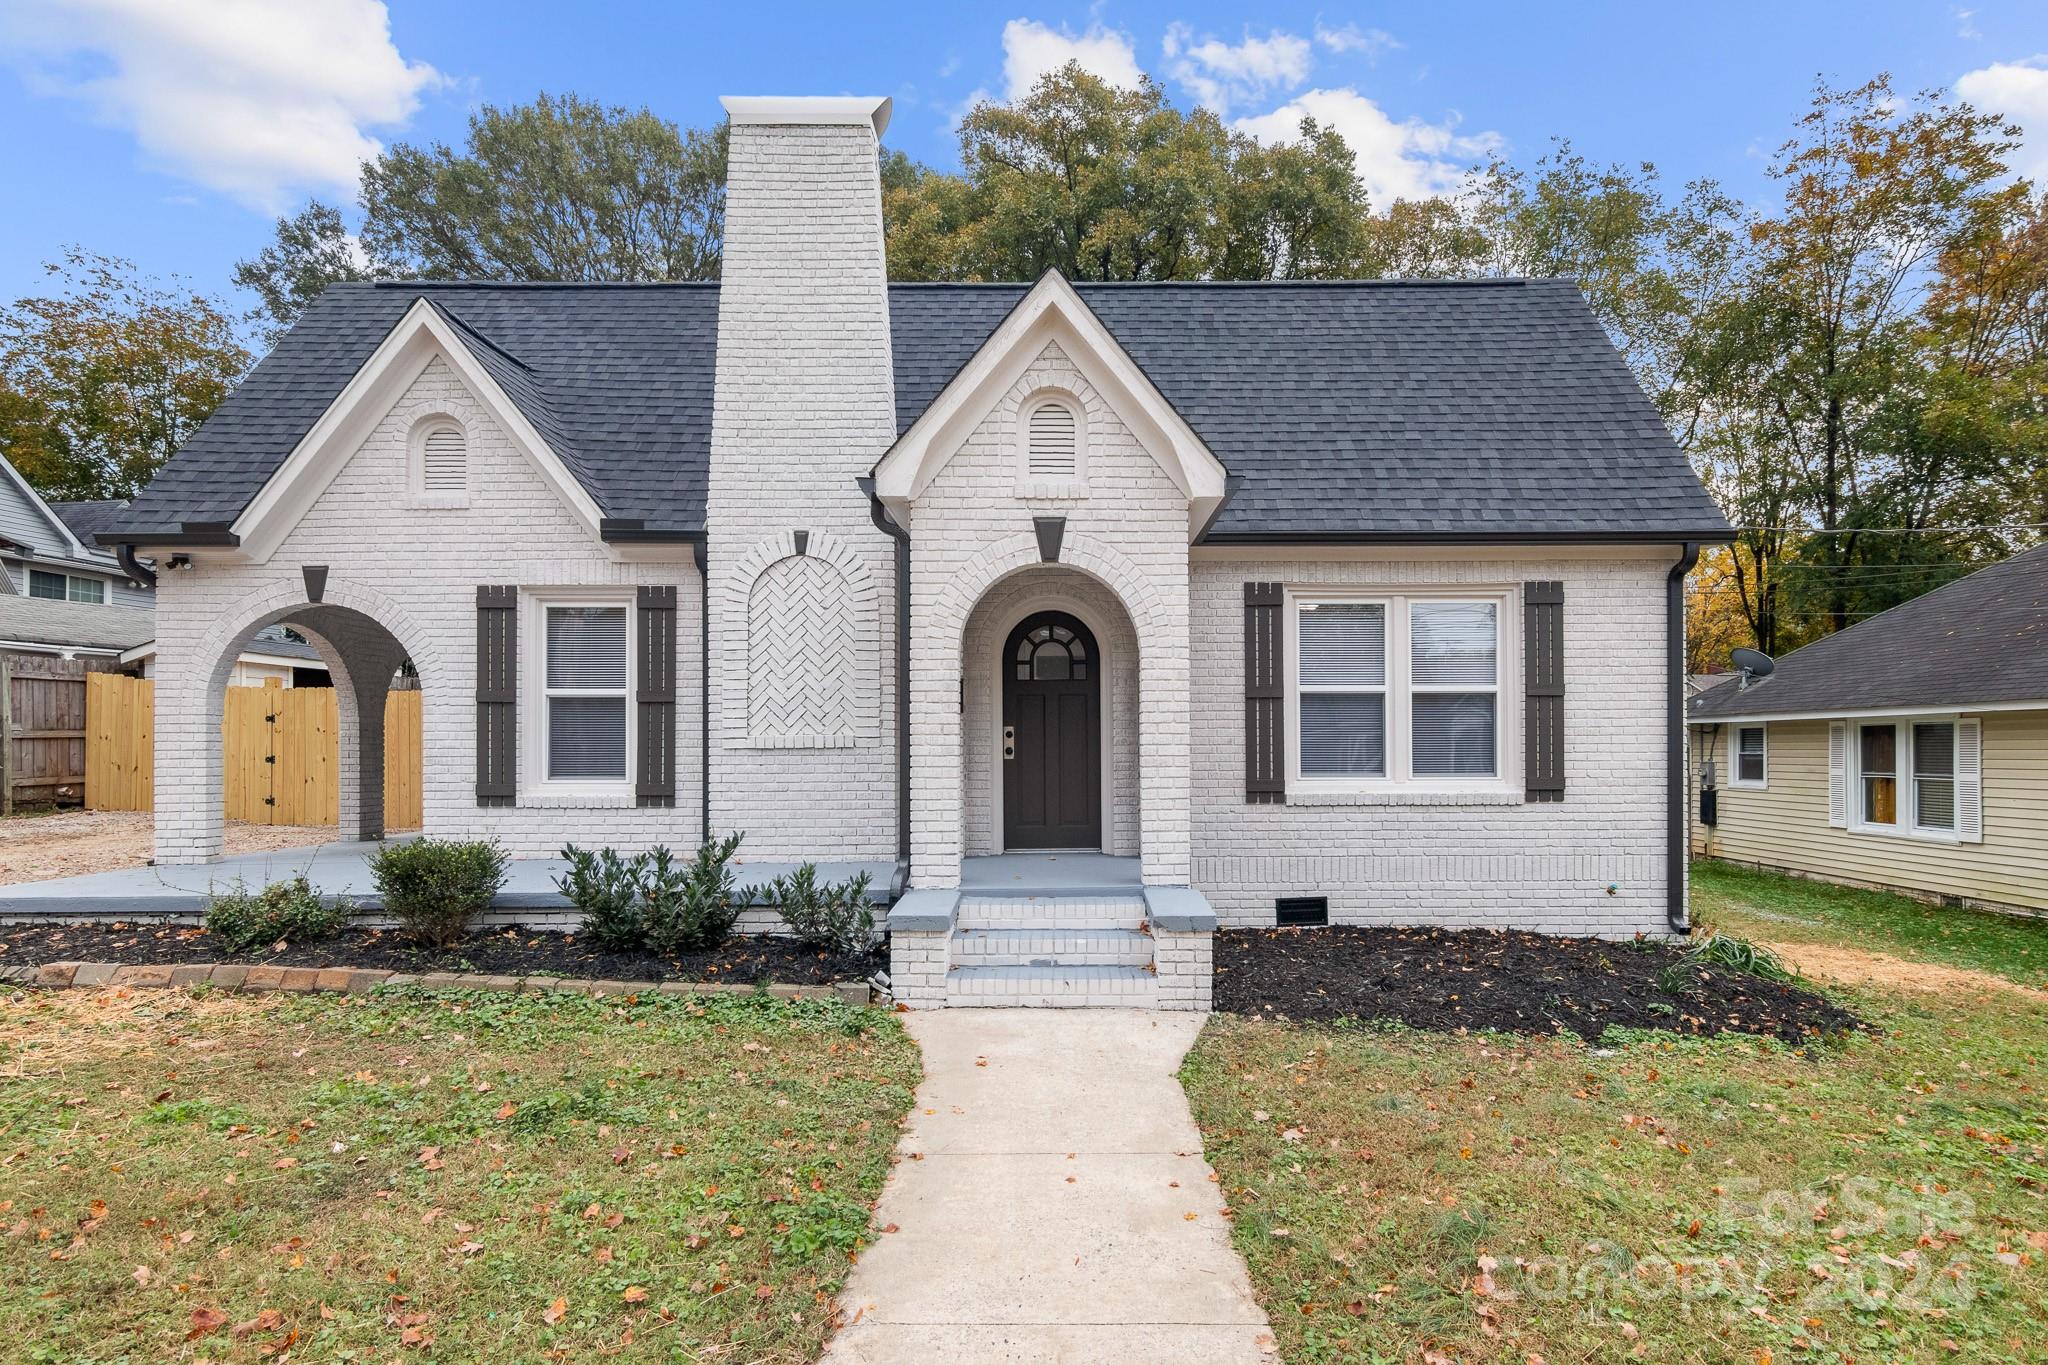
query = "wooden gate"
x=280 y=753
x=42 y=728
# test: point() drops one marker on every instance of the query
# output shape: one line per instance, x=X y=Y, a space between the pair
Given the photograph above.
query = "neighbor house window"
x=1877 y=752
x=1934 y=777
x=1396 y=689
x=1749 y=761
x=584 y=693
x=59 y=587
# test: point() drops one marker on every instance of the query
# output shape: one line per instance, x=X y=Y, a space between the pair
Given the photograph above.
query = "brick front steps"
x=242 y=977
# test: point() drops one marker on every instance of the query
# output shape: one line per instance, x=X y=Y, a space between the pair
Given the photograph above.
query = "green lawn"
x=1769 y=905
x=1500 y=1198
x=463 y=1177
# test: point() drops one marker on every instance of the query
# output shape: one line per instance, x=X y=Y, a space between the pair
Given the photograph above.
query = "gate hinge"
x=269 y=800
x=270 y=758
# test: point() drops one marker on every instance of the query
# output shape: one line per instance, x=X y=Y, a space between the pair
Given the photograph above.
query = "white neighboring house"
x=62 y=595
x=1352 y=599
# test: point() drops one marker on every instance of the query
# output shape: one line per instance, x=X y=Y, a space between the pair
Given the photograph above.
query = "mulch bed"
x=745 y=958
x=1512 y=982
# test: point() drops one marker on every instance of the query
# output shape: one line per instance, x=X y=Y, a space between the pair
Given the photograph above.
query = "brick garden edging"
x=236 y=976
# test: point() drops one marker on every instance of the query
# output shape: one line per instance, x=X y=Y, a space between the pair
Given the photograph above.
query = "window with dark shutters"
x=497 y=696
x=1265 y=696
x=1543 y=690
x=654 y=776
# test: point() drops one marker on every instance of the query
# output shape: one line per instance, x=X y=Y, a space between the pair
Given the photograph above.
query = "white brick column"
x=804 y=406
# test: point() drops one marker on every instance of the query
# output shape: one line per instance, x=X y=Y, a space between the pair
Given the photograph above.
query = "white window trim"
x=417 y=495
x=1908 y=826
x=1506 y=778
x=1735 y=778
x=1031 y=485
x=534 y=694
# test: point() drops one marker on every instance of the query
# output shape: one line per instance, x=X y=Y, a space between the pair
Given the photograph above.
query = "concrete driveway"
x=1051 y=1204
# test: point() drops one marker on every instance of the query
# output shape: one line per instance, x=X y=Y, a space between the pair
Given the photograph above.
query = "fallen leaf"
x=554 y=1312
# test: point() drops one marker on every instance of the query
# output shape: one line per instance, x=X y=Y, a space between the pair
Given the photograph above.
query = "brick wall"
x=414 y=569
x=1475 y=861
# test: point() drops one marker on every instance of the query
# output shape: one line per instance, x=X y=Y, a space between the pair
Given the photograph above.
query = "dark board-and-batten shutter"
x=1265 y=697
x=497 y=696
x=654 y=692
x=1543 y=690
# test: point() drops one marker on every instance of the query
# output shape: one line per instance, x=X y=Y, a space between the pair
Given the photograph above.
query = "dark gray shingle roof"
x=1384 y=408
x=88 y=519
x=1980 y=639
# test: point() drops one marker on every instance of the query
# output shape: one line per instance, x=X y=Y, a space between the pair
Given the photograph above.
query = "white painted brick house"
x=1101 y=613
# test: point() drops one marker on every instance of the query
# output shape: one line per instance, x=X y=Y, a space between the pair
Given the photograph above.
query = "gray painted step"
x=1053 y=987
x=1051 y=912
x=1052 y=948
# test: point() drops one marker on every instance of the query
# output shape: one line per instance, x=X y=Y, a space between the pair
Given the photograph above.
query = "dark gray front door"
x=1052 y=735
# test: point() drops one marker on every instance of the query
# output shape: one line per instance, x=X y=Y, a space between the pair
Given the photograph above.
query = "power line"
x=1901 y=530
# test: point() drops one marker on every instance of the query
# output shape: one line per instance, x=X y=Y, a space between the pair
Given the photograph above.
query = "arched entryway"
x=1051 y=670
x=363 y=657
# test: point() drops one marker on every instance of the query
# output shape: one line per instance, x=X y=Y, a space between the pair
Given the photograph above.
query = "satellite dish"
x=1752 y=664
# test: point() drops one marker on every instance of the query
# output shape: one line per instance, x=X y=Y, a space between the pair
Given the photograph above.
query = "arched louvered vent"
x=444 y=461
x=1054 y=442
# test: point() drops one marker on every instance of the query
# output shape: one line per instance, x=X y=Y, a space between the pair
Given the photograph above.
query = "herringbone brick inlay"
x=800 y=630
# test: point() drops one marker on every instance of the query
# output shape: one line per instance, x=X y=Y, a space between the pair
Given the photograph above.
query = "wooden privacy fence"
x=42 y=727
x=281 y=752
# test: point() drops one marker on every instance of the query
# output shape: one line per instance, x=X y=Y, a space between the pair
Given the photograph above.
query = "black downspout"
x=1676 y=810
x=701 y=554
x=887 y=525
x=133 y=567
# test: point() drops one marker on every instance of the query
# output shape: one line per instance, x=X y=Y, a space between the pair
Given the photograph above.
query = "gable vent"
x=444 y=461
x=1054 y=442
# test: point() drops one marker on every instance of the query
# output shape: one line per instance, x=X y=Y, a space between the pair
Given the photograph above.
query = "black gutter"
x=197 y=535
x=703 y=686
x=124 y=555
x=887 y=525
x=1428 y=537
x=1677 y=811
x=636 y=531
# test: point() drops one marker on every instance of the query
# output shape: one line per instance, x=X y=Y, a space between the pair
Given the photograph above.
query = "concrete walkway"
x=1042 y=1203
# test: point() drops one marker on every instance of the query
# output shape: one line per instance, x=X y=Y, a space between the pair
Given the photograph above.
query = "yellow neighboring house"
x=1909 y=752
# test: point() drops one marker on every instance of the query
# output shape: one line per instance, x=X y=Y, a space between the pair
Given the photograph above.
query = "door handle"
x=1009 y=742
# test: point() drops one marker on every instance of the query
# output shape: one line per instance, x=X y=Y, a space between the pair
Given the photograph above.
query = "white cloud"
x=1032 y=49
x=1351 y=38
x=254 y=98
x=1409 y=159
x=1221 y=74
x=2019 y=91
x=1966 y=26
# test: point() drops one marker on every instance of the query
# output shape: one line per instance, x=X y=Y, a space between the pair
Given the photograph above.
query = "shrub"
x=690 y=907
x=606 y=888
x=831 y=916
x=433 y=886
x=288 y=911
x=1739 y=953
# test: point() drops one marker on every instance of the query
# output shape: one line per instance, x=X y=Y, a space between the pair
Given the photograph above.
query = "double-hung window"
x=584 y=692
x=1747 y=765
x=1395 y=690
x=1905 y=777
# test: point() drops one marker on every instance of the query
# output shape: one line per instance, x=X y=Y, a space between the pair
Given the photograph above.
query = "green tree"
x=103 y=380
x=1104 y=183
x=563 y=188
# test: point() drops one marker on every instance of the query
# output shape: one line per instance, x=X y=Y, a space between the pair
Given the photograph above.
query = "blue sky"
x=172 y=131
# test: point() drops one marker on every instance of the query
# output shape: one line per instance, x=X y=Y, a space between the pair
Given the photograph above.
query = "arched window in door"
x=1052 y=653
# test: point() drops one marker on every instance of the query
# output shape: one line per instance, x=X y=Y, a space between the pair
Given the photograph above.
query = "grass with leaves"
x=1487 y=1197
x=1772 y=906
x=189 y=1176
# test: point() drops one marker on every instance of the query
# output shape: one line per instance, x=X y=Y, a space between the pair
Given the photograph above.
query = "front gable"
x=1050 y=317
x=421 y=338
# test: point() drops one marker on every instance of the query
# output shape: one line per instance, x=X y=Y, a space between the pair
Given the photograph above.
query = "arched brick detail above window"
x=809 y=618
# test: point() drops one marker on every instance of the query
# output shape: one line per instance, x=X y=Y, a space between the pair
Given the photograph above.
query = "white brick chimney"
x=805 y=404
